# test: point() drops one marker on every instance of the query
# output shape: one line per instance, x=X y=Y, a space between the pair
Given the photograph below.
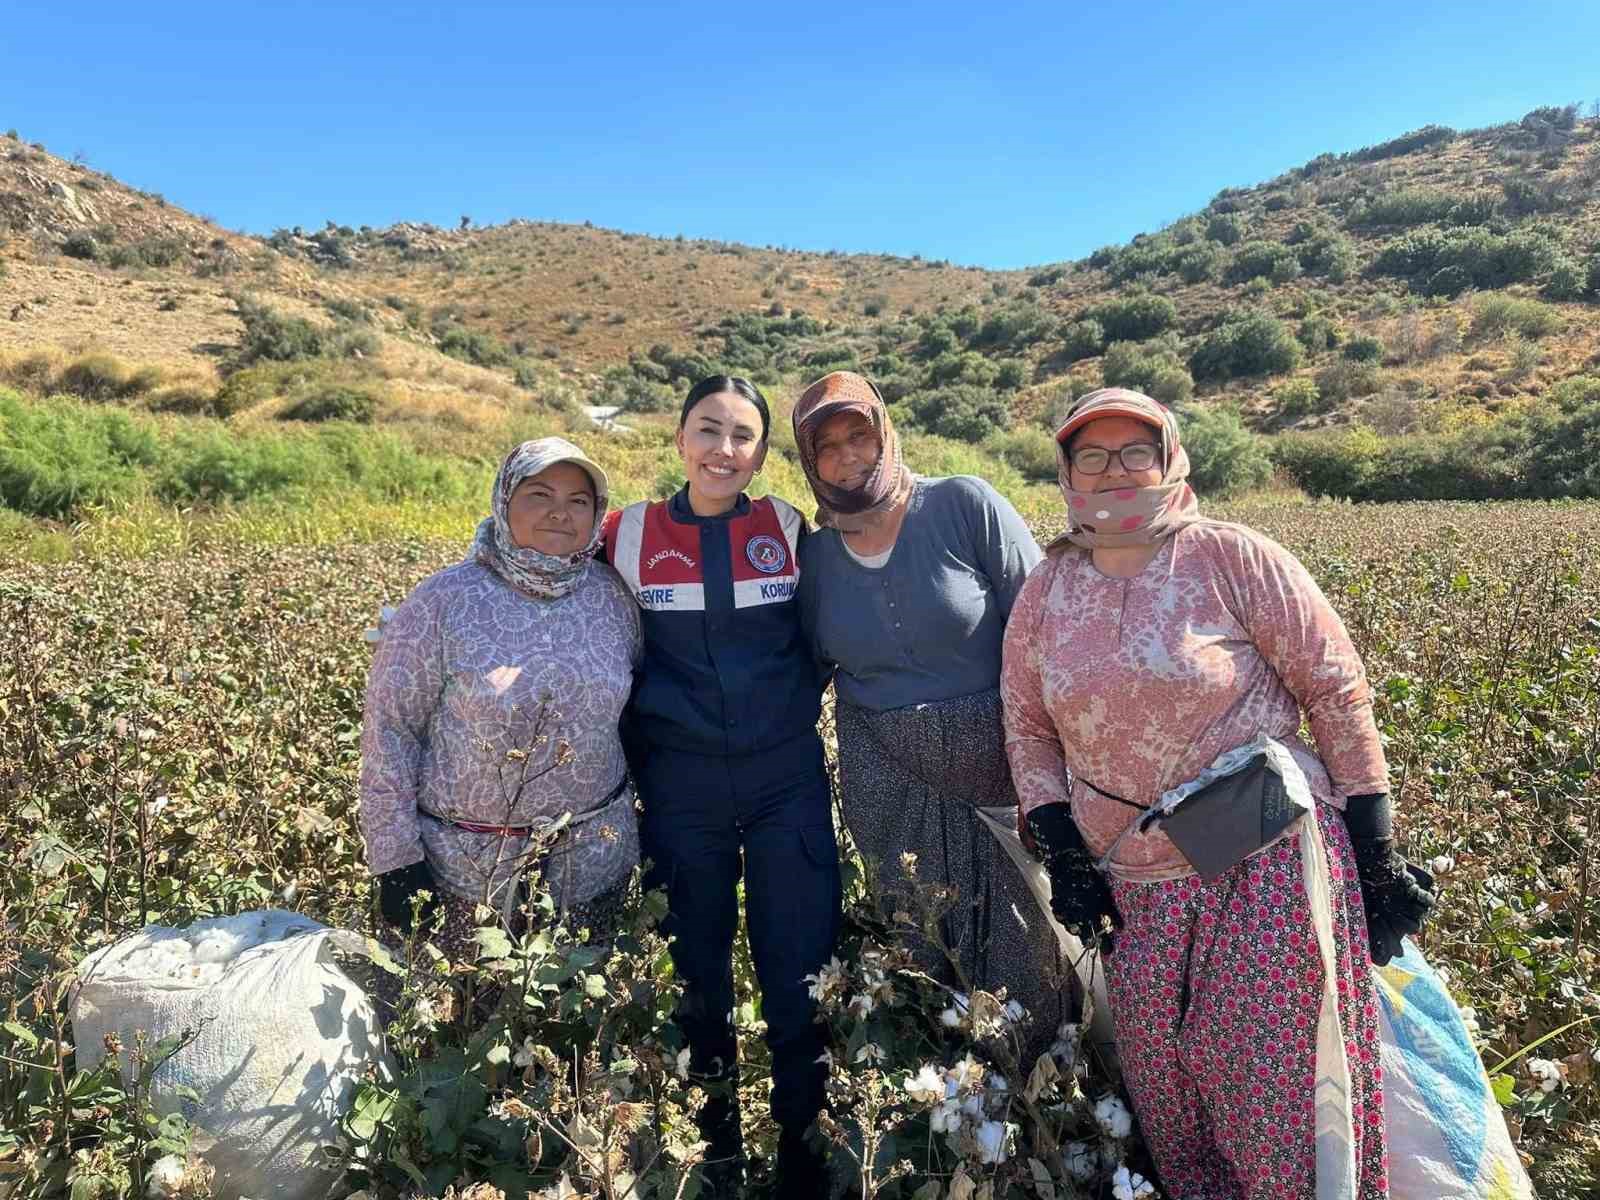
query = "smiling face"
x=1112 y=434
x=721 y=446
x=847 y=448
x=553 y=512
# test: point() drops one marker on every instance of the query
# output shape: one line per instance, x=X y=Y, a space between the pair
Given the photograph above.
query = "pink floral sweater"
x=1136 y=685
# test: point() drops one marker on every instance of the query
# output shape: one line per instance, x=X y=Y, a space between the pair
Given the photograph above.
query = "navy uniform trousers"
x=708 y=820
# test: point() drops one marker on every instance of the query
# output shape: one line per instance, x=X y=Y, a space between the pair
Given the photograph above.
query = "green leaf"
x=22 y=1033
x=493 y=942
x=1505 y=1089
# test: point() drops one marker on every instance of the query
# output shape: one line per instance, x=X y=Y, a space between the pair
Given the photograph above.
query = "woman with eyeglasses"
x=905 y=592
x=1149 y=642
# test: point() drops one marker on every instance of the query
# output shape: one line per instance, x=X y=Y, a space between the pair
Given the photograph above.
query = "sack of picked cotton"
x=280 y=1038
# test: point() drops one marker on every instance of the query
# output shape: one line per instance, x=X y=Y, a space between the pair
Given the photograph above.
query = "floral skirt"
x=1215 y=992
x=911 y=781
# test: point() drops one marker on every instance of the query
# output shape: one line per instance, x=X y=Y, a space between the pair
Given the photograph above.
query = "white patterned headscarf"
x=544 y=576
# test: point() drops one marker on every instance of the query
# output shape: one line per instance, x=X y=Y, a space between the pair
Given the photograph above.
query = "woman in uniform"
x=724 y=748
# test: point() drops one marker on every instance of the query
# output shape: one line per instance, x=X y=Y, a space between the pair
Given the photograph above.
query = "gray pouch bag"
x=1219 y=825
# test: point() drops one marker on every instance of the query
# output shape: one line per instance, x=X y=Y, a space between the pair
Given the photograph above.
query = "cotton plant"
x=927 y=1088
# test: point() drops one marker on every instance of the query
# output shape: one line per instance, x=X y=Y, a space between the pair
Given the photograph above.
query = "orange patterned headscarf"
x=850 y=509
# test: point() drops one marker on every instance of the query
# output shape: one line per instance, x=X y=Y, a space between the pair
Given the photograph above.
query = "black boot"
x=802 y=1173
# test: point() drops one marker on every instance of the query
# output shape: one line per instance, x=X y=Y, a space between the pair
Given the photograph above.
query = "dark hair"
x=712 y=384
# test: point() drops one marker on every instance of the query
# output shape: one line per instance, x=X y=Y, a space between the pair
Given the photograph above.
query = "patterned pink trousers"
x=1215 y=990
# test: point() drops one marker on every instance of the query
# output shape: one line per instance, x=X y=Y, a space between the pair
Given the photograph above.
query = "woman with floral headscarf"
x=492 y=710
x=1150 y=642
x=905 y=592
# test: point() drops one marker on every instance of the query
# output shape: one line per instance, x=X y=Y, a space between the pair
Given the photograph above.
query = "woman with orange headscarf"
x=905 y=592
x=1157 y=658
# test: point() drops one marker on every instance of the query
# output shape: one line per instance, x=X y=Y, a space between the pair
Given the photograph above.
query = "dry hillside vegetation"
x=1434 y=292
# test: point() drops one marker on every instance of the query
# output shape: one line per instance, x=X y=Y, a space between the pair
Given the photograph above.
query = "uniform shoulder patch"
x=766 y=553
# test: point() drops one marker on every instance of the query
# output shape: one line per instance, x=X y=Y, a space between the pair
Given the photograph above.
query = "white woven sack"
x=281 y=1037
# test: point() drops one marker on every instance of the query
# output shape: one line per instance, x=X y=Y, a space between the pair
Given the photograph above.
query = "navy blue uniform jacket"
x=726 y=669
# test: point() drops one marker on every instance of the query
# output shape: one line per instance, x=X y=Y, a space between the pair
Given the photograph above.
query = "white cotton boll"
x=946 y=1117
x=1013 y=1012
x=998 y=1083
x=1113 y=1117
x=1441 y=864
x=1080 y=1161
x=1546 y=1073
x=165 y=1176
x=994 y=1141
x=950 y=1018
x=1130 y=1185
x=927 y=1086
x=973 y=1106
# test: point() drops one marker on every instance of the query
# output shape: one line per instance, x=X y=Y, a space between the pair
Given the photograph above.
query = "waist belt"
x=528 y=830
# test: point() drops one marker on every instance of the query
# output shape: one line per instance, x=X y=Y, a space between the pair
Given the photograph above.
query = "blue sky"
x=997 y=134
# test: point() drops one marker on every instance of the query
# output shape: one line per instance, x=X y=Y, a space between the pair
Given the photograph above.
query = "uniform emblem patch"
x=766 y=554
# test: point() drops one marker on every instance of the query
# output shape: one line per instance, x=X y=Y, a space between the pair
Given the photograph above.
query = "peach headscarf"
x=850 y=509
x=1126 y=516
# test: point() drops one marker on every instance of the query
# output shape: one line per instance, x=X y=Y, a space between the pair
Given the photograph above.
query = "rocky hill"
x=1428 y=283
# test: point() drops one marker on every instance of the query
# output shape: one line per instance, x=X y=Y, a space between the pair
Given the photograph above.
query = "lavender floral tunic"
x=469 y=673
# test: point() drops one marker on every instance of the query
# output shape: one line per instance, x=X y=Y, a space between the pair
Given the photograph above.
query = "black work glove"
x=397 y=887
x=1079 y=894
x=1396 y=895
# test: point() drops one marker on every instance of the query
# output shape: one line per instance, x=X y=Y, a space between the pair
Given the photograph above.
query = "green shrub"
x=149 y=252
x=965 y=367
x=1592 y=277
x=1134 y=318
x=1013 y=327
x=1363 y=348
x=59 y=457
x=271 y=336
x=1225 y=458
x=1317 y=333
x=1031 y=452
x=1498 y=316
x=1249 y=343
x=1422 y=206
x=1225 y=228
x=1567 y=281
x=1481 y=259
x=1147 y=255
x=1082 y=339
x=1153 y=368
x=1297 y=398
x=963 y=412
x=1328 y=464
x=1013 y=373
x=1201 y=262
x=333 y=403
x=471 y=345
x=1342 y=379
x=81 y=245
x=1329 y=254
x=632 y=392
x=102 y=377
x=1262 y=260
x=184 y=399
x=1406 y=143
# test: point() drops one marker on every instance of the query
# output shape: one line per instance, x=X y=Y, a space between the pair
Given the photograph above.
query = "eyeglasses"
x=1136 y=456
